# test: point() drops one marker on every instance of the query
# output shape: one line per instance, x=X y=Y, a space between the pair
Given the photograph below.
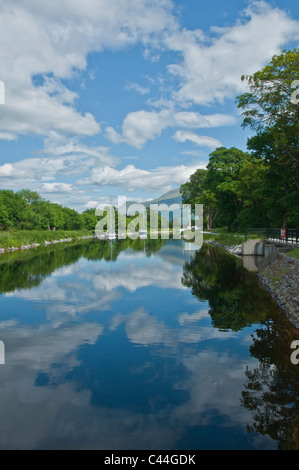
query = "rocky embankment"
x=281 y=279
x=236 y=250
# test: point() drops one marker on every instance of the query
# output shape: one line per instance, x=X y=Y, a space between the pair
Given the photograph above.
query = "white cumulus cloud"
x=200 y=140
x=53 y=39
x=140 y=126
x=130 y=178
x=212 y=65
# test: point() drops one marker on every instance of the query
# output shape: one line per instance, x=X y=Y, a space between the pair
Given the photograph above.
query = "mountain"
x=171 y=197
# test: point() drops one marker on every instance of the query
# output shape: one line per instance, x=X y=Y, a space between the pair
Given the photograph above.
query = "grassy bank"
x=17 y=239
x=294 y=253
x=224 y=237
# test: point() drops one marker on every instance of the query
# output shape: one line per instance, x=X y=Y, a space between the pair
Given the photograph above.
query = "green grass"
x=225 y=237
x=19 y=238
x=294 y=253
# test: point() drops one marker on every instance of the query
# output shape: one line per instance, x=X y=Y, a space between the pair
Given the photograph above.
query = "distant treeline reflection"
x=27 y=269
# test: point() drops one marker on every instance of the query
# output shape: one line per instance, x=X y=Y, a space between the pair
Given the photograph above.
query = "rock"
x=54 y=242
x=281 y=279
x=236 y=250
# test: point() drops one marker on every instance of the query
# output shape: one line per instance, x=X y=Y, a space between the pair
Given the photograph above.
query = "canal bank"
x=72 y=236
x=277 y=272
x=281 y=279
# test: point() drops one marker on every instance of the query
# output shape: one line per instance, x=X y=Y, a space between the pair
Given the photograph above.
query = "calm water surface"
x=142 y=345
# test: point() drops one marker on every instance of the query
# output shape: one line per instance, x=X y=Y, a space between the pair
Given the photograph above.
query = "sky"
x=108 y=98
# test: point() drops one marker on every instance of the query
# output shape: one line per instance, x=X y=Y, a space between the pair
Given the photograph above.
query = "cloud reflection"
x=58 y=378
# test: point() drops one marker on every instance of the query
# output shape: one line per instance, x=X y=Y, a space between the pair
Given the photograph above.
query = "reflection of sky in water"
x=120 y=355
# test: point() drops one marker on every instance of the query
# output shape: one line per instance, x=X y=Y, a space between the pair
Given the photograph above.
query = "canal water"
x=142 y=345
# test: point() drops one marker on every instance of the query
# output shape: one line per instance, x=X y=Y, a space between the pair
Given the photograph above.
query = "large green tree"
x=27 y=210
x=219 y=190
x=252 y=192
x=4 y=217
x=269 y=109
x=190 y=191
x=216 y=188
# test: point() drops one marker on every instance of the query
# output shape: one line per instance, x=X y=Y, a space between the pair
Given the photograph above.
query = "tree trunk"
x=210 y=219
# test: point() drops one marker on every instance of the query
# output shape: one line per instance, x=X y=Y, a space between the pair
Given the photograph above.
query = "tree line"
x=259 y=187
x=27 y=210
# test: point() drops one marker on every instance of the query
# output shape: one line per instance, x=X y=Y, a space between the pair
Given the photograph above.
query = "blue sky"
x=107 y=98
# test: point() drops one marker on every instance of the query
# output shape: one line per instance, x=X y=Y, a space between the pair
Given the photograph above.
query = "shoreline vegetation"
x=257 y=187
x=25 y=239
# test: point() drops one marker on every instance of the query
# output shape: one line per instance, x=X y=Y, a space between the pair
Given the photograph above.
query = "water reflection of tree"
x=27 y=269
x=271 y=391
x=234 y=297
x=272 y=388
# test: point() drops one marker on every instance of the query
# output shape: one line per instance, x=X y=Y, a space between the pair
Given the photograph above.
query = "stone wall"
x=281 y=279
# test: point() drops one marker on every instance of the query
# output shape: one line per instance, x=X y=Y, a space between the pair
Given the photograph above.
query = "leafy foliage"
x=269 y=109
x=27 y=210
x=260 y=187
